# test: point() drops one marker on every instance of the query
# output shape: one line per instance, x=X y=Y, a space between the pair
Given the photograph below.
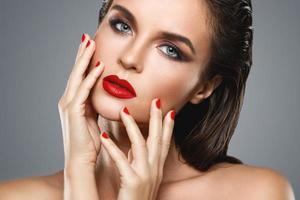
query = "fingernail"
x=173 y=114
x=126 y=110
x=97 y=64
x=105 y=135
x=158 y=103
x=82 y=37
x=88 y=44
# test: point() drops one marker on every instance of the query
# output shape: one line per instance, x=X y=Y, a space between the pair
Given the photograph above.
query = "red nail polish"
x=82 y=37
x=158 y=103
x=173 y=114
x=97 y=64
x=88 y=44
x=105 y=135
x=126 y=110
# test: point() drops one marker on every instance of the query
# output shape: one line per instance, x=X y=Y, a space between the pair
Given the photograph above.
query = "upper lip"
x=122 y=82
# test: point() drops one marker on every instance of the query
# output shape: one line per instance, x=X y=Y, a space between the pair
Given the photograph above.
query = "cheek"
x=174 y=87
x=170 y=81
x=107 y=45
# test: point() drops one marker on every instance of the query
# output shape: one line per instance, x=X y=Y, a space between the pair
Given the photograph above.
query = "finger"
x=168 y=125
x=79 y=69
x=84 y=39
x=154 y=140
x=117 y=156
x=87 y=84
x=138 y=144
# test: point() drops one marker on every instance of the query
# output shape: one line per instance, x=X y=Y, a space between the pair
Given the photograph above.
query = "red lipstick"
x=117 y=87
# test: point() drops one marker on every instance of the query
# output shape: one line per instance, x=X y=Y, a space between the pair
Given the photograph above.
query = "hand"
x=78 y=118
x=141 y=173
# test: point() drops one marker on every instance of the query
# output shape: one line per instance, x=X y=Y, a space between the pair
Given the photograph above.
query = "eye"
x=173 y=52
x=119 y=25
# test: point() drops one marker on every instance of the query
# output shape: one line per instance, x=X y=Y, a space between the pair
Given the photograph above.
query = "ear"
x=206 y=89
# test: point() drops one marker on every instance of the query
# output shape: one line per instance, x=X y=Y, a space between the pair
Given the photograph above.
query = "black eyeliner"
x=114 y=20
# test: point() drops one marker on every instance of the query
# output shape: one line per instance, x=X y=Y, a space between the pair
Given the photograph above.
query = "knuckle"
x=157 y=137
x=64 y=102
x=61 y=104
x=159 y=141
x=71 y=108
x=137 y=145
x=166 y=143
x=143 y=143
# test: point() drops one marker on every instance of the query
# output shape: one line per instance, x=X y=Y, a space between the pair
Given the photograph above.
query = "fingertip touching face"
x=161 y=47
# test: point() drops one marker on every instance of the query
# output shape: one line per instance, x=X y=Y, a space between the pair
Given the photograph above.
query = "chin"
x=107 y=107
x=108 y=114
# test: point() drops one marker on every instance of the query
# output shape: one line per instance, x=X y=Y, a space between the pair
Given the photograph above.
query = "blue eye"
x=173 y=51
x=120 y=26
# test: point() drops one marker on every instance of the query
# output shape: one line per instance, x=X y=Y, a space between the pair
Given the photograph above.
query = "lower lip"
x=116 y=90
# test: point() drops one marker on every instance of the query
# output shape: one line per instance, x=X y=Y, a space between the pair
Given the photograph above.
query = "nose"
x=132 y=58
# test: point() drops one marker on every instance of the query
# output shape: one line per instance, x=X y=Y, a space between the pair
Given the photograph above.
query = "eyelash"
x=115 y=21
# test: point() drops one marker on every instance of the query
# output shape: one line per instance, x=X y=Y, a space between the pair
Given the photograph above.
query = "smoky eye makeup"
x=121 y=26
x=115 y=20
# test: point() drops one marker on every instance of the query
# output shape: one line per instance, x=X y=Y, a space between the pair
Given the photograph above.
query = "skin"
x=138 y=56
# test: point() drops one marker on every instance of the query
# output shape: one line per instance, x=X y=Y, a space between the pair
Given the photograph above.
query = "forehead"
x=187 y=18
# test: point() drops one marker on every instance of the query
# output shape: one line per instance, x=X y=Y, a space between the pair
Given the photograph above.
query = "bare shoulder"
x=241 y=181
x=37 y=187
x=261 y=182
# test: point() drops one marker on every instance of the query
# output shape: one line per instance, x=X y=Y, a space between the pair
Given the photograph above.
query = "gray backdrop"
x=39 y=40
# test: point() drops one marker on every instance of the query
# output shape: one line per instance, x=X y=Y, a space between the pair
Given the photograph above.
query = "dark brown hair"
x=202 y=131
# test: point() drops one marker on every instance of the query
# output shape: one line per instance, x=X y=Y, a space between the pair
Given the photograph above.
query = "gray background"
x=39 y=40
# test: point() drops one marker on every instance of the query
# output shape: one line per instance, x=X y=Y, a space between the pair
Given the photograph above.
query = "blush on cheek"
x=177 y=90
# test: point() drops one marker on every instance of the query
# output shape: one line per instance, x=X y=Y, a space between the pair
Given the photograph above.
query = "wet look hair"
x=202 y=131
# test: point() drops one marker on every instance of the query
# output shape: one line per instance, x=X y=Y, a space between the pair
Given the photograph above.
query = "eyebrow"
x=165 y=34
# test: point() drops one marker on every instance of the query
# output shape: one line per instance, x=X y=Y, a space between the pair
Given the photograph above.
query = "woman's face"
x=156 y=65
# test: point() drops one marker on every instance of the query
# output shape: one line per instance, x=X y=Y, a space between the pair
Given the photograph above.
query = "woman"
x=151 y=104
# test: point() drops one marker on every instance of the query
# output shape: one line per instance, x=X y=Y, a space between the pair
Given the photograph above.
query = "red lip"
x=118 y=87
